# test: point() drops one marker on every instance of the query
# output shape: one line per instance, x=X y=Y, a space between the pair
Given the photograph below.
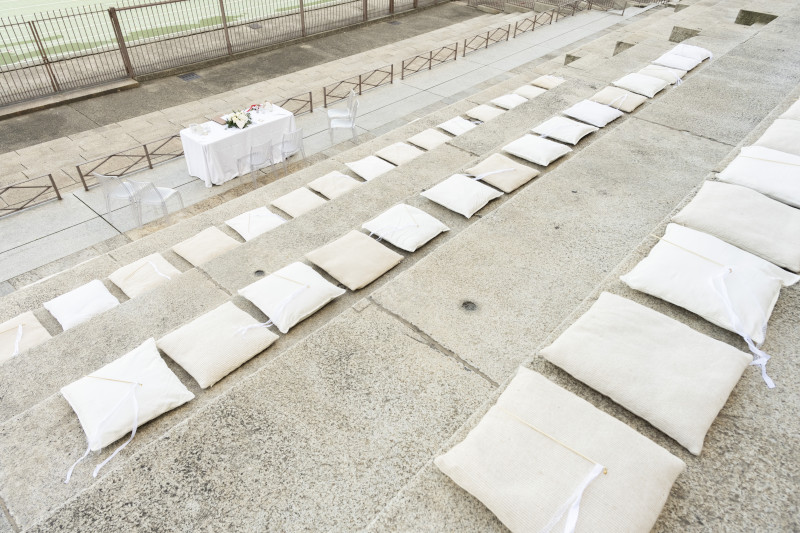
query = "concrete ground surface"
x=335 y=427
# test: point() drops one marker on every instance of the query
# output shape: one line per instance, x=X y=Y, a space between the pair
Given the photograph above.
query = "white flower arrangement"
x=240 y=119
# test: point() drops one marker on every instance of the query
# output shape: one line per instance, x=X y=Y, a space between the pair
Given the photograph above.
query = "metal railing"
x=360 y=84
x=52 y=52
x=531 y=23
x=299 y=105
x=25 y=194
x=421 y=62
x=481 y=40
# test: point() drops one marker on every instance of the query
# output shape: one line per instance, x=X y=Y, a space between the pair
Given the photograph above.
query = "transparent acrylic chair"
x=260 y=156
x=148 y=194
x=292 y=143
x=349 y=122
x=117 y=188
x=343 y=113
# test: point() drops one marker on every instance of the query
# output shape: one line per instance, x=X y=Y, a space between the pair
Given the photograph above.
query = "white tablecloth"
x=214 y=157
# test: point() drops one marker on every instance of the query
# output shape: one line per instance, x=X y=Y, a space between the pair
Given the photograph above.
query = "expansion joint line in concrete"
x=429 y=341
x=7 y=514
x=693 y=134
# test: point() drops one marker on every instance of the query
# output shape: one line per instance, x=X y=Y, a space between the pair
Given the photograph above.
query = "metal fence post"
x=123 y=49
x=359 y=84
x=225 y=26
x=45 y=59
x=83 y=179
x=53 y=183
x=391 y=7
x=365 y=10
x=302 y=18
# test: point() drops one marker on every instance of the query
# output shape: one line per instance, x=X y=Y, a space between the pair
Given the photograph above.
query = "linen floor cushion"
x=298 y=202
x=529 y=91
x=255 y=222
x=793 y=113
x=429 y=139
x=656 y=367
x=355 y=260
x=205 y=246
x=143 y=275
x=333 y=184
x=689 y=50
x=291 y=294
x=746 y=219
x=564 y=129
x=19 y=334
x=457 y=126
x=670 y=75
x=136 y=388
x=783 y=135
x=547 y=81
x=677 y=61
x=536 y=459
x=405 y=226
x=502 y=172
x=509 y=101
x=461 y=194
x=640 y=84
x=536 y=149
x=81 y=304
x=770 y=172
x=619 y=99
x=593 y=113
x=370 y=167
x=485 y=113
x=215 y=344
x=399 y=153
x=685 y=270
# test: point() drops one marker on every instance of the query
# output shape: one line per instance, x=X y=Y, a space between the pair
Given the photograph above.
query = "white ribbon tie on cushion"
x=492 y=173
x=395 y=229
x=131 y=394
x=17 y=341
x=279 y=309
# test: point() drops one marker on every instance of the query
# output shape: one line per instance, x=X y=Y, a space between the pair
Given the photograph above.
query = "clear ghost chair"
x=117 y=188
x=260 y=156
x=348 y=122
x=148 y=194
x=292 y=143
x=343 y=113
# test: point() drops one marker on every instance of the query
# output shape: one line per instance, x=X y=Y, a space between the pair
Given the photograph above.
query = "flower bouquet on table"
x=240 y=119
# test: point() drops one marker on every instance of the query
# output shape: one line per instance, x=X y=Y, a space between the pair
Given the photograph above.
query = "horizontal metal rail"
x=421 y=62
x=360 y=84
x=471 y=44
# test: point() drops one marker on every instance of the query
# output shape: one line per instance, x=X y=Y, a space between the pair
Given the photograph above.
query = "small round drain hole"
x=469 y=306
x=259 y=273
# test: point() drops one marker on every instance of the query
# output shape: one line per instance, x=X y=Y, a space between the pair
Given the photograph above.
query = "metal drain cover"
x=191 y=76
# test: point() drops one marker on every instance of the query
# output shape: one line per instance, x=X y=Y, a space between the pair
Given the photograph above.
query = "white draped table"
x=214 y=157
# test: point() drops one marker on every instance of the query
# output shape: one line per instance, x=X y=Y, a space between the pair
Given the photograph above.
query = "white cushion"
x=783 y=135
x=684 y=269
x=509 y=101
x=536 y=150
x=506 y=174
x=457 y=126
x=399 y=153
x=593 y=113
x=461 y=194
x=291 y=295
x=15 y=340
x=298 y=202
x=640 y=84
x=429 y=139
x=748 y=220
x=205 y=246
x=484 y=112
x=405 y=226
x=670 y=75
x=547 y=81
x=690 y=50
x=81 y=304
x=333 y=184
x=619 y=99
x=677 y=61
x=793 y=113
x=370 y=167
x=658 y=368
x=143 y=275
x=529 y=480
x=215 y=344
x=255 y=222
x=770 y=172
x=564 y=129
x=105 y=408
x=355 y=260
x=529 y=91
